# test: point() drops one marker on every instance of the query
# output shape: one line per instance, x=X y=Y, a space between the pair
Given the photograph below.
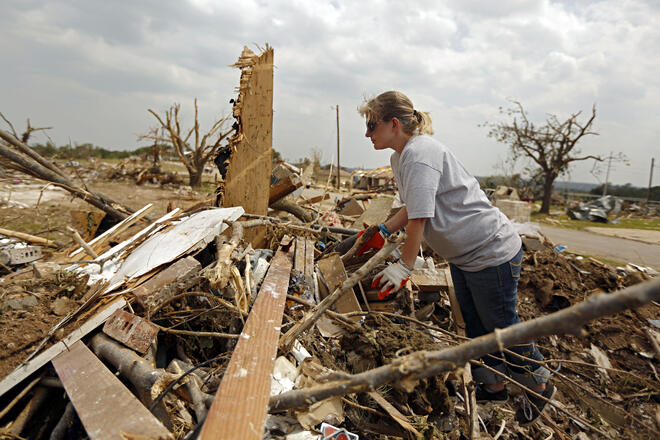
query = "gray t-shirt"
x=462 y=226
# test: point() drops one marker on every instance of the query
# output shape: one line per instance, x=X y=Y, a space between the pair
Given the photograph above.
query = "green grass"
x=611 y=261
x=562 y=220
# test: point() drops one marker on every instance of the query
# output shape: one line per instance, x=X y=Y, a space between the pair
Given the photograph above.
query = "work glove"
x=391 y=279
x=376 y=241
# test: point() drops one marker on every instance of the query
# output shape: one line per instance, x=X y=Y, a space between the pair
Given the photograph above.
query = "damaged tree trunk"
x=34 y=168
x=409 y=369
x=301 y=213
x=147 y=381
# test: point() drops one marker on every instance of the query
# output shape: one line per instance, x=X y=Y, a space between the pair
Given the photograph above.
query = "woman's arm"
x=398 y=220
x=414 y=234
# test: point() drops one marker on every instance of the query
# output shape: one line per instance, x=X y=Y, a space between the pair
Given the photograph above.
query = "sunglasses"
x=371 y=126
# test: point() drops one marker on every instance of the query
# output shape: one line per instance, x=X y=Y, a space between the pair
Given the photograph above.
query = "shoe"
x=485 y=396
x=533 y=406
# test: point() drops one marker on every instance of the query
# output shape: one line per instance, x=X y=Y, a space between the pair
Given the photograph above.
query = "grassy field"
x=558 y=217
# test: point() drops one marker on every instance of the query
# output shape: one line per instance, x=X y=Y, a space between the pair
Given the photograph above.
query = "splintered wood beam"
x=241 y=404
x=107 y=409
x=284 y=187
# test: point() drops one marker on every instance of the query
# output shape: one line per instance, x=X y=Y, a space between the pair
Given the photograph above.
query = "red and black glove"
x=377 y=236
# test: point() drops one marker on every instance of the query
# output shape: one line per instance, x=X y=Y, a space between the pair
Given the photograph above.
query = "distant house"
x=379 y=178
x=321 y=175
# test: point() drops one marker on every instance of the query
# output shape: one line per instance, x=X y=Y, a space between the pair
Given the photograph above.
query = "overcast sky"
x=91 y=69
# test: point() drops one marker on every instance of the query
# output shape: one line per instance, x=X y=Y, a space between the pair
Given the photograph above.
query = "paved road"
x=644 y=254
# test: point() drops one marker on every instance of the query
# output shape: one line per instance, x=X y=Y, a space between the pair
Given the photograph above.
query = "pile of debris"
x=207 y=335
x=596 y=210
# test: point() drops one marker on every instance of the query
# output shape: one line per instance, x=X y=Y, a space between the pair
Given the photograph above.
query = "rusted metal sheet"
x=107 y=409
x=131 y=330
x=241 y=403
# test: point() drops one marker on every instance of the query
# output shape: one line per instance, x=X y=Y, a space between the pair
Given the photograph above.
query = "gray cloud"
x=92 y=68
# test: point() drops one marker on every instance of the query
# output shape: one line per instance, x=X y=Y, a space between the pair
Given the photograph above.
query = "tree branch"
x=409 y=369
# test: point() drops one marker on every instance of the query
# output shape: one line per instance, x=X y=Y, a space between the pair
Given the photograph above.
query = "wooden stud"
x=107 y=409
x=240 y=406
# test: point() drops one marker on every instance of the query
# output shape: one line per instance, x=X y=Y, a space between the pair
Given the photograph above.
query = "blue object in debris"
x=560 y=248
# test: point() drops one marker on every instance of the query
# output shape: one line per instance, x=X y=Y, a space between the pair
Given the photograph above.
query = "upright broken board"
x=247 y=182
x=107 y=409
x=304 y=261
x=241 y=404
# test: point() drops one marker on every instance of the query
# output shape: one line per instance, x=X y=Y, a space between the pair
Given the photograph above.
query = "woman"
x=445 y=206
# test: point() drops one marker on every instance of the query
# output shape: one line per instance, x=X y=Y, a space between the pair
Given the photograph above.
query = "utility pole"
x=338 y=166
x=648 y=195
x=607 y=176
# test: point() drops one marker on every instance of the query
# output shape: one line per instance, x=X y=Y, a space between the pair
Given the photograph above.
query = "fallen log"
x=32 y=167
x=301 y=213
x=413 y=367
x=147 y=381
x=23 y=148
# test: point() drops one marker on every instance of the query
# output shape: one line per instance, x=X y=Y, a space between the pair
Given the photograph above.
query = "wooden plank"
x=428 y=280
x=299 y=259
x=241 y=404
x=309 y=259
x=377 y=212
x=131 y=330
x=334 y=274
x=23 y=371
x=107 y=409
x=179 y=269
x=27 y=237
x=283 y=188
x=314 y=199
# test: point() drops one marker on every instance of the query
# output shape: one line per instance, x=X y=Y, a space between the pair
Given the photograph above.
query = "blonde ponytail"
x=395 y=104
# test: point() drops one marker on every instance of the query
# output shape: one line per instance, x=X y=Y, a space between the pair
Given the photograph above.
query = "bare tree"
x=158 y=136
x=194 y=151
x=551 y=146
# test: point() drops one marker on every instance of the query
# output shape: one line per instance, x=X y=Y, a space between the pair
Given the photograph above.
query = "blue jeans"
x=488 y=301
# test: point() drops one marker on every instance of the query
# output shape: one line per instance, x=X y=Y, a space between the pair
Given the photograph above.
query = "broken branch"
x=29 y=238
x=424 y=364
x=308 y=321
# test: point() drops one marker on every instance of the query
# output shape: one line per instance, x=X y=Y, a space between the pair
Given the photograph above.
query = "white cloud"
x=92 y=68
